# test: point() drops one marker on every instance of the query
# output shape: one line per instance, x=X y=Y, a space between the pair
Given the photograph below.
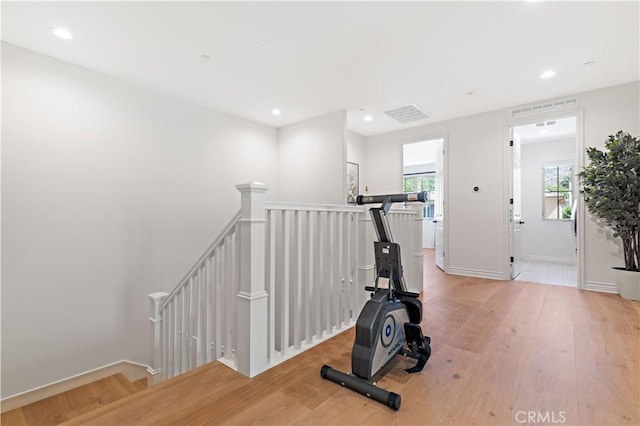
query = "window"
x=558 y=191
x=423 y=182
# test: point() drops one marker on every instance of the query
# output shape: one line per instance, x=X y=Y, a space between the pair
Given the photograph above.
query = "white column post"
x=156 y=334
x=366 y=258
x=252 y=312
x=418 y=256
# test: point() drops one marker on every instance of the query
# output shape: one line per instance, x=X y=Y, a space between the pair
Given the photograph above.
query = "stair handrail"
x=207 y=253
x=287 y=205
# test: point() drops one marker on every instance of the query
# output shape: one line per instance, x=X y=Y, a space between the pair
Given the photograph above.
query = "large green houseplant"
x=612 y=193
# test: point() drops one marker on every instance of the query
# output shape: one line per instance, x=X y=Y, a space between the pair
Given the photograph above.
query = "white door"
x=515 y=207
x=439 y=205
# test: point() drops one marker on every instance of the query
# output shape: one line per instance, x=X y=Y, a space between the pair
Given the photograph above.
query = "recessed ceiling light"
x=589 y=63
x=275 y=111
x=62 y=33
x=205 y=57
x=548 y=74
x=468 y=93
x=368 y=117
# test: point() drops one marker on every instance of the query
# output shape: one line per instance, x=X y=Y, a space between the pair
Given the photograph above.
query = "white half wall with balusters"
x=298 y=269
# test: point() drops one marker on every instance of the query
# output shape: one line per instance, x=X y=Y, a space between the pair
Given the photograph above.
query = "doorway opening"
x=543 y=204
x=423 y=170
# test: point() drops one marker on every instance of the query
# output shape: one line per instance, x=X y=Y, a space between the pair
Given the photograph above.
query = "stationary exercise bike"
x=389 y=323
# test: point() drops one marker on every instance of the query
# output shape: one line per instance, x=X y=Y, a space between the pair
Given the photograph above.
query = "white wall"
x=109 y=192
x=474 y=158
x=475 y=144
x=544 y=239
x=605 y=112
x=312 y=160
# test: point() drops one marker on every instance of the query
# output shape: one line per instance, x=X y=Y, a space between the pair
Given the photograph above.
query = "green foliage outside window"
x=423 y=183
x=558 y=193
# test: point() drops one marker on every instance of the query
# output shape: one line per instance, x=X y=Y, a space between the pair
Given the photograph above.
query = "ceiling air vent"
x=407 y=114
x=547 y=106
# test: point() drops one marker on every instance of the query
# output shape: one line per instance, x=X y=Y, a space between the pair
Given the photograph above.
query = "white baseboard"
x=477 y=273
x=601 y=287
x=551 y=259
x=131 y=370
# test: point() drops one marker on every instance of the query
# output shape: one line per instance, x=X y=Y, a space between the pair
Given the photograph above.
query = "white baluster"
x=227 y=283
x=320 y=281
x=310 y=306
x=298 y=320
x=219 y=303
x=272 y=284
x=349 y=267
x=183 y=328
x=284 y=300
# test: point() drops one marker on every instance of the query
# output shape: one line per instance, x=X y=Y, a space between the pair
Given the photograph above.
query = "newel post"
x=156 y=329
x=252 y=299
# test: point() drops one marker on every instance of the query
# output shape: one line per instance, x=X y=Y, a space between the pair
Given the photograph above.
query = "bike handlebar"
x=392 y=198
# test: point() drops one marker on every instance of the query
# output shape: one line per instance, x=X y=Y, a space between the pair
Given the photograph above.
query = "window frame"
x=570 y=192
x=430 y=202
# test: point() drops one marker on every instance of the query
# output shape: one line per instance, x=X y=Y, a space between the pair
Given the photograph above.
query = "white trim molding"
x=476 y=273
x=601 y=287
x=551 y=259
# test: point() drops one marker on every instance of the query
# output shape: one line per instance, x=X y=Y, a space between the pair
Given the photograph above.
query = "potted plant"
x=612 y=193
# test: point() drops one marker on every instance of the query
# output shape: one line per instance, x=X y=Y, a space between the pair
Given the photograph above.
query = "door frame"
x=445 y=185
x=578 y=113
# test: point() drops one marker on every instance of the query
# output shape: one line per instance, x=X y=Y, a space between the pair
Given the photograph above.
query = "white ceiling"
x=331 y=56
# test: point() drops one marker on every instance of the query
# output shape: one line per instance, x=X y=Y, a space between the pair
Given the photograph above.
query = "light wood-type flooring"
x=504 y=352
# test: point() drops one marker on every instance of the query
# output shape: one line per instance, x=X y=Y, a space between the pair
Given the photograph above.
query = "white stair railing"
x=280 y=278
x=193 y=325
x=313 y=275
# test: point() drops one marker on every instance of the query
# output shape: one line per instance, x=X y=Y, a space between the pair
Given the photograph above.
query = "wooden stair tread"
x=202 y=388
x=76 y=402
x=13 y=418
x=129 y=387
x=141 y=384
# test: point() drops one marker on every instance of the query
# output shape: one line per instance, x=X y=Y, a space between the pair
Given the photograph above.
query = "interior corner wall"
x=356 y=153
x=312 y=160
x=475 y=157
x=109 y=192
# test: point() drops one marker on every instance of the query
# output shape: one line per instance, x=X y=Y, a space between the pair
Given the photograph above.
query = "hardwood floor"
x=503 y=353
